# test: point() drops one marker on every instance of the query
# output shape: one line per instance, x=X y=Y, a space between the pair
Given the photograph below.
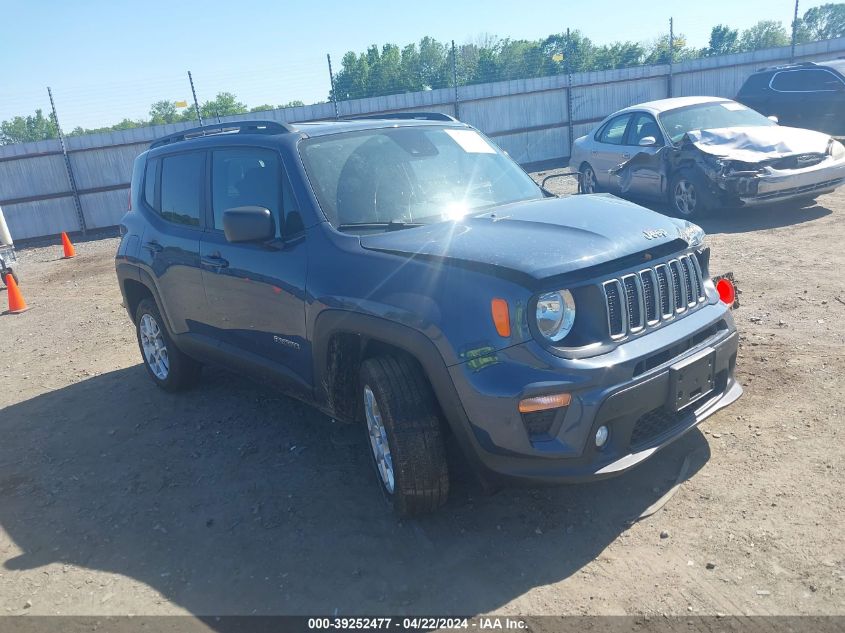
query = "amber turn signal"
x=501 y=317
x=542 y=403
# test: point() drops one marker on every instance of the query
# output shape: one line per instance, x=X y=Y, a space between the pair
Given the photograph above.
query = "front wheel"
x=688 y=197
x=169 y=367
x=403 y=429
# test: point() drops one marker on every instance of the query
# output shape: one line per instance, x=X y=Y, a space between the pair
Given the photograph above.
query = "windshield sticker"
x=471 y=141
x=730 y=105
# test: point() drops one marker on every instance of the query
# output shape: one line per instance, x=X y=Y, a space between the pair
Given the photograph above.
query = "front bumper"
x=777 y=185
x=613 y=389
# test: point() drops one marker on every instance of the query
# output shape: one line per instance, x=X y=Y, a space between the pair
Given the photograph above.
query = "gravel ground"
x=117 y=498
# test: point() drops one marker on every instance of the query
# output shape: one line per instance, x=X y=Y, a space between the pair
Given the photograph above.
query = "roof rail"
x=239 y=127
x=414 y=116
x=788 y=65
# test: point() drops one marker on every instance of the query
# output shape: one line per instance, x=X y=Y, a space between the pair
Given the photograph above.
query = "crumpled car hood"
x=539 y=238
x=758 y=143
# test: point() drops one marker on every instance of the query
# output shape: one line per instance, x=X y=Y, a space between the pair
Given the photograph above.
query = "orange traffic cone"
x=16 y=302
x=67 y=246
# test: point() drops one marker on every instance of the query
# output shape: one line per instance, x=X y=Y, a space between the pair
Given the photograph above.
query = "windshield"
x=709 y=116
x=410 y=175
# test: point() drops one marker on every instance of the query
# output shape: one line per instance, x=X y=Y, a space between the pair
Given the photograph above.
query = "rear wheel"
x=587 y=182
x=11 y=273
x=403 y=430
x=169 y=367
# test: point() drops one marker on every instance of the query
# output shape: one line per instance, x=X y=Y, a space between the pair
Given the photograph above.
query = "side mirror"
x=647 y=141
x=773 y=119
x=248 y=224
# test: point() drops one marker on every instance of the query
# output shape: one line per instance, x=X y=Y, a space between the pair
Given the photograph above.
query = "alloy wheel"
x=685 y=197
x=154 y=346
x=378 y=439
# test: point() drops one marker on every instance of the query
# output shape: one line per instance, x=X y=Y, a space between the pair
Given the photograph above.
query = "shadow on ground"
x=231 y=499
x=750 y=219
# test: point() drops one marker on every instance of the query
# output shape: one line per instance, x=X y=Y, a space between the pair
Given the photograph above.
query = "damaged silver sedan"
x=701 y=153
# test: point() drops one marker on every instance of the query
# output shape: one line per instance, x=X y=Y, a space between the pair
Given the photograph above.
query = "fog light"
x=601 y=436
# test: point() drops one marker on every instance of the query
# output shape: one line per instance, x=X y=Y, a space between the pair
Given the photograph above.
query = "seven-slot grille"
x=638 y=300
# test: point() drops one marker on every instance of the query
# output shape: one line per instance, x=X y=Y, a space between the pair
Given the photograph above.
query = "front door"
x=608 y=151
x=256 y=291
x=646 y=179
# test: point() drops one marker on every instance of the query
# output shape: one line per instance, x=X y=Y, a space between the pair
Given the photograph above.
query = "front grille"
x=645 y=298
x=652 y=425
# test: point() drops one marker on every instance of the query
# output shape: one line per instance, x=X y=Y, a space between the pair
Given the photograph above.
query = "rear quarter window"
x=809 y=80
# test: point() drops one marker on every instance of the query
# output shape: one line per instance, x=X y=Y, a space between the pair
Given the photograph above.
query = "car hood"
x=758 y=143
x=540 y=238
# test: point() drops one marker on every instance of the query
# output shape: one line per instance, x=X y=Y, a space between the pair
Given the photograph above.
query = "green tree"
x=164 y=112
x=825 y=22
x=658 y=51
x=764 y=34
x=723 y=40
x=224 y=104
x=20 y=129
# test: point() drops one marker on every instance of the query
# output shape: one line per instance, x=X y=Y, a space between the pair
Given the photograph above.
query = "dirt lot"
x=118 y=498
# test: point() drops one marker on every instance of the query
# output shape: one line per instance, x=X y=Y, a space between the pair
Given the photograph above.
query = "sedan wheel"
x=587 y=182
x=378 y=439
x=685 y=197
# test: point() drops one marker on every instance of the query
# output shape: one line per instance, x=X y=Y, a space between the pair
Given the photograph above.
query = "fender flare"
x=407 y=339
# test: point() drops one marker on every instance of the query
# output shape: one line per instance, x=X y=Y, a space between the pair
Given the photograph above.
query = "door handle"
x=626 y=155
x=594 y=152
x=214 y=261
x=153 y=246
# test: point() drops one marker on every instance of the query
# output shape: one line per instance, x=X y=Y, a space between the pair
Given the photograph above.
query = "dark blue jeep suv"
x=406 y=273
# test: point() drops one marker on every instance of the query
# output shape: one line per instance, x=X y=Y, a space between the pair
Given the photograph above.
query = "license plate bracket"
x=691 y=379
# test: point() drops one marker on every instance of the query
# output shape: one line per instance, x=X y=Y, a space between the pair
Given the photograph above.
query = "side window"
x=810 y=80
x=253 y=177
x=246 y=177
x=182 y=179
x=643 y=125
x=614 y=132
x=150 y=178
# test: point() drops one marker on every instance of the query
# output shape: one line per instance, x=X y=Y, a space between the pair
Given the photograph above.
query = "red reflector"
x=726 y=290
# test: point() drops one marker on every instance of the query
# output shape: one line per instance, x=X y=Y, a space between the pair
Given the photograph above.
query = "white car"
x=699 y=153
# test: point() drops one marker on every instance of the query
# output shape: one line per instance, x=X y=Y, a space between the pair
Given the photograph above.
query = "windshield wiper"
x=393 y=225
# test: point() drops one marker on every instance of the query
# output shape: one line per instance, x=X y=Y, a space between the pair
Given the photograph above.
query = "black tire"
x=14 y=276
x=585 y=172
x=410 y=418
x=182 y=371
x=696 y=207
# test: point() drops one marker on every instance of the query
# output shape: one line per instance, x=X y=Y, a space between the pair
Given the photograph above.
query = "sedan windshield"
x=406 y=176
x=710 y=116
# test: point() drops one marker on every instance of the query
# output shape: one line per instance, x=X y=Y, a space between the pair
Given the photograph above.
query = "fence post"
x=567 y=52
x=331 y=81
x=196 y=103
x=671 y=54
x=80 y=216
x=794 y=32
x=455 y=78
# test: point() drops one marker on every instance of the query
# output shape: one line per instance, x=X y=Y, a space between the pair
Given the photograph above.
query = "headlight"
x=837 y=150
x=692 y=234
x=555 y=314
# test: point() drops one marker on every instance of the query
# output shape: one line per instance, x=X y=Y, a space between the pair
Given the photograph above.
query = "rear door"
x=256 y=291
x=170 y=253
x=608 y=150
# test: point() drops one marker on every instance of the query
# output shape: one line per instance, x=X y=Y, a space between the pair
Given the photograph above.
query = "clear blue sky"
x=110 y=60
